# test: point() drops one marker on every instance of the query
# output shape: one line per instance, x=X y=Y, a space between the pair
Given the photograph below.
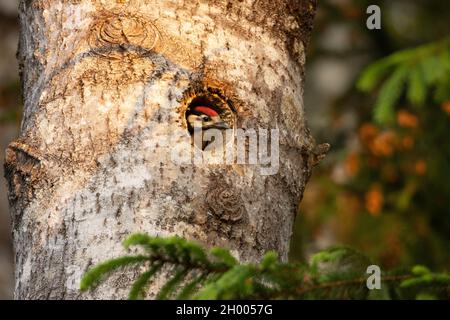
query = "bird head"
x=204 y=118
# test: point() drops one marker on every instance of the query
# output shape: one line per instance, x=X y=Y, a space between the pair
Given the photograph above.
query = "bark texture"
x=106 y=85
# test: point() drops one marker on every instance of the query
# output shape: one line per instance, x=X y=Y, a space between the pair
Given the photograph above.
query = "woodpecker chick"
x=205 y=118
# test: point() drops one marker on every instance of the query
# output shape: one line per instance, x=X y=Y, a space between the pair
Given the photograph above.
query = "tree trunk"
x=104 y=149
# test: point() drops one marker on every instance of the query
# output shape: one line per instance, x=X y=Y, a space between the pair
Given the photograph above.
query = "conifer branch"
x=194 y=273
x=411 y=74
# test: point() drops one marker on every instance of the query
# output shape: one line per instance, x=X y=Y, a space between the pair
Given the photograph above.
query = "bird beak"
x=220 y=125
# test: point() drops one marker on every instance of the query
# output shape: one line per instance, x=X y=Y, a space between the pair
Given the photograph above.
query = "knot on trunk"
x=114 y=33
x=226 y=204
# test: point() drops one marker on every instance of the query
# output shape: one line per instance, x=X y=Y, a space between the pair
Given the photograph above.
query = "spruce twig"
x=195 y=273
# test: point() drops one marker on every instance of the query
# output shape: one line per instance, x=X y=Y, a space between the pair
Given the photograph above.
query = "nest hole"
x=213 y=100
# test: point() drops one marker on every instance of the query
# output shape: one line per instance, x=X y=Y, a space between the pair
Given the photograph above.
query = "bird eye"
x=206 y=118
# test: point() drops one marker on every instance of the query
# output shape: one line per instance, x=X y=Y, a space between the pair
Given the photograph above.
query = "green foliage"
x=138 y=289
x=96 y=274
x=420 y=70
x=425 y=284
x=332 y=263
x=194 y=273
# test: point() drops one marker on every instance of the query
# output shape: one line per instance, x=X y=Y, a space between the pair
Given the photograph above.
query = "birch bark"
x=106 y=86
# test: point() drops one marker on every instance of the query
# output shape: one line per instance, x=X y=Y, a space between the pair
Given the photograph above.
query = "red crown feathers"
x=207 y=110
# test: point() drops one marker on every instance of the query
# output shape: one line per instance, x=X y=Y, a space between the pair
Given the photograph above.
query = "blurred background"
x=10 y=113
x=384 y=188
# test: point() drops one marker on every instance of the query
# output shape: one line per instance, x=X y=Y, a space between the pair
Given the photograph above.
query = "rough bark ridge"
x=106 y=85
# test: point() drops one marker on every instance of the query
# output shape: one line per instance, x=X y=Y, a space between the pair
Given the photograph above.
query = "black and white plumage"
x=203 y=118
